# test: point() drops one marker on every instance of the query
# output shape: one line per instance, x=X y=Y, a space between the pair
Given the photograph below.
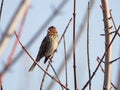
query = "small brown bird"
x=48 y=47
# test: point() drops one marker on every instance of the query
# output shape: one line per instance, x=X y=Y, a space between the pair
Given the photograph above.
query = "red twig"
x=14 y=48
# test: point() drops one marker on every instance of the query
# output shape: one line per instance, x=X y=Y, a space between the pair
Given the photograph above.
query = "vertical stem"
x=88 y=56
x=1 y=8
x=41 y=86
x=74 y=52
x=108 y=37
x=65 y=61
x=56 y=75
x=119 y=78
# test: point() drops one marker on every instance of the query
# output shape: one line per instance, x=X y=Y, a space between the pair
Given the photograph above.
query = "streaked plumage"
x=48 y=46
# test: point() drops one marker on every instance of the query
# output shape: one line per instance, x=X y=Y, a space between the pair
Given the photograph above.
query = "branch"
x=49 y=64
x=41 y=29
x=13 y=24
x=78 y=36
x=58 y=44
x=1 y=8
x=41 y=86
x=38 y=64
x=88 y=54
x=74 y=46
x=65 y=30
x=10 y=58
x=115 y=60
x=101 y=60
x=66 y=73
x=104 y=72
x=114 y=22
x=55 y=73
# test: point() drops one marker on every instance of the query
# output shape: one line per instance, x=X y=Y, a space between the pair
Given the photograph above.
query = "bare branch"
x=78 y=36
x=113 y=22
x=1 y=8
x=101 y=60
x=74 y=46
x=41 y=29
x=39 y=65
x=88 y=54
x=41 y=86
x=10 y=58
x=108 y=38
x=66 y=73
x=104 y=72
x=58 y=44
x=65 y=30
x=13 y=24
x=115 y=60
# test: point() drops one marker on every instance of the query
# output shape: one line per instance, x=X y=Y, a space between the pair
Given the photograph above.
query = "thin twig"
x=55 y=72
x=113 y=22
x=74 y=51
x=13 y=23
x=1 y=87
x=101 y=59
x=10 y=58
x=118 y=78
x=88 y=54
x=78 y=37
x=58 y=44
x=65 y=30
x=66 y=75
x=41 y=29
x=41 y=86
x=115 y=60
x=104 y=72
x=49 y=64
x=108 y=33
x=1 y=9
x=38 y=64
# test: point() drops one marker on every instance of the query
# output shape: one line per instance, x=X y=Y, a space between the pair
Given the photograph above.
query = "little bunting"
x=48 y=46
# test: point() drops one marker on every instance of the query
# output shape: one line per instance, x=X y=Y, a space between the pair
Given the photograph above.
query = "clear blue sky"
x=18 y=77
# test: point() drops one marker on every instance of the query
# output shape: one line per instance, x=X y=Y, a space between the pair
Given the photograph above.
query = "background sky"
x=18 y=77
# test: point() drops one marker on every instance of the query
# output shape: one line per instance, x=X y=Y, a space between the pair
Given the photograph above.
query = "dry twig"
x=78 y=36
x=104 y=72
x=1 y=8
x=39 y=65
x=88 y=54
x=58 y=44
x=101 y=60
x=74 y=46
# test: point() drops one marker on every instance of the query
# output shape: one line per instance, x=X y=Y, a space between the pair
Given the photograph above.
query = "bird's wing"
x=42 y=49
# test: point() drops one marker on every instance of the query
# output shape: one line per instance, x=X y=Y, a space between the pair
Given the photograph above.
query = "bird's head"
x=52 y=31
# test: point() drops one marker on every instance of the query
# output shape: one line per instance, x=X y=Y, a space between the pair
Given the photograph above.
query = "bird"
x=48 y=46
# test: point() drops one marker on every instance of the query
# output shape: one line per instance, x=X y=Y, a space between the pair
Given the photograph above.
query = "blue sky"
x=18 y=77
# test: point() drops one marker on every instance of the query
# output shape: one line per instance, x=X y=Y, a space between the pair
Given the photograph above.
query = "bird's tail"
x=32 y=67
